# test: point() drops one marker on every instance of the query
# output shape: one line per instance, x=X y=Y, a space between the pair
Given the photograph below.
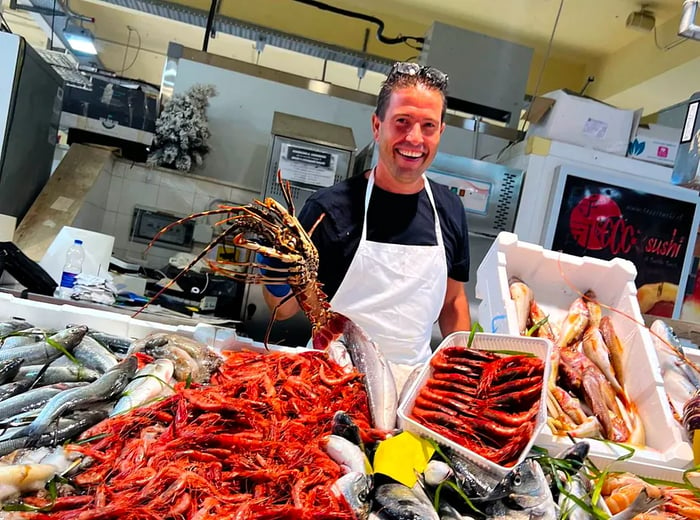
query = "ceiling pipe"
x=688 y=27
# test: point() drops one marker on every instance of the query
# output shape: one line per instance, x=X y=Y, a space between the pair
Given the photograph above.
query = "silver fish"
x=639 y=505
x=23 y=338
x=474 y=480
x=355 y=488
x=379 y=381
x=437 y=472
x=66 y=428
x=117 y=344
x=92 y=354
x=523 y=494
x=349 y=456
x=8 y=327
x=398 y=502
x=111 y=384
x=579 y=487
x=9 y=369
x=343 y=426
x=33 y=399
x=149 y=382
x=58 y=373
x=43 y=352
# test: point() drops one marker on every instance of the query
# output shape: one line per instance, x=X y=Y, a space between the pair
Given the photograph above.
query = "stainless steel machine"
x=310 y=154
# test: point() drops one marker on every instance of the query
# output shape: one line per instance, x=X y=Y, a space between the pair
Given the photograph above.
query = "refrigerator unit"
x=31 y=95
x=589 y=203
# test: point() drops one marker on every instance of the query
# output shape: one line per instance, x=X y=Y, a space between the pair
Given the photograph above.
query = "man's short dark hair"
x=403 y=75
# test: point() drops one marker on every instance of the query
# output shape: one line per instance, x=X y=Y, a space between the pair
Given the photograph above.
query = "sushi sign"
x=608 y=215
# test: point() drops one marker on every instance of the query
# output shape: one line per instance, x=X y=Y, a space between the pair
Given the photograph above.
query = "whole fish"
x=107 y=387
x=473 y=479
x=150 y=382
x=612 y=341
x=379 y=381
x=33 y=399
x=66 y=428
x=522 y=297
x=349 y=456
x=343 y=426
x=43 y=351
x=594 y=311
x=68 y=373
x=398 y=502
x=575 y=323
x=523 y=494
x=595 y=348
x=8 y=327
x=355 y=487
x=23 y=338
x=9 y=369
x=93 y=355
x=117 y=344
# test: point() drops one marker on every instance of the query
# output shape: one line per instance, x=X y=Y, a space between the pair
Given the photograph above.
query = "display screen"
x=606 y=221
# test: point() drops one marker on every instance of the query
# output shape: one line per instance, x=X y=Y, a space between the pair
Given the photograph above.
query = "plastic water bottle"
x=72 y=268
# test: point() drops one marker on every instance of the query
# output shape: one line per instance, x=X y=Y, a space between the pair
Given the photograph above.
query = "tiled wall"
x=133 y=184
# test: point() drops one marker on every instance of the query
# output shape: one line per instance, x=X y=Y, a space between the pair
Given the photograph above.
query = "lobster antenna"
x=268 y=331
x=179 y=275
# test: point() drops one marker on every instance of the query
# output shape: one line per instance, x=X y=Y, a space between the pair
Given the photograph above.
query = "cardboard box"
x=582 y=121
x=655 y=143
x=556 y=279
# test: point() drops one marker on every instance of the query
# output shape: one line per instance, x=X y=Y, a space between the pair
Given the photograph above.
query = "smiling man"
x=393 y=246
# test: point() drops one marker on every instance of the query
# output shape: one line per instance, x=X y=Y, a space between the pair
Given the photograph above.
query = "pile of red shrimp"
x=247 y=446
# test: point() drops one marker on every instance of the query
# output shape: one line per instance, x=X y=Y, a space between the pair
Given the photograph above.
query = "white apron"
x=395 y=292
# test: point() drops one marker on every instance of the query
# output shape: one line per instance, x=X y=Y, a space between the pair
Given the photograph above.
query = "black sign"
x=606 y=221
x=309 y=156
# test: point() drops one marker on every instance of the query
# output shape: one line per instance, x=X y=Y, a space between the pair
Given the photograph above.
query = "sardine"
x=612 y=341
x=68 y=373
x=379 y=381
x=108 y=386
x=398 y=502
x=355 y=488
x=594 y=347
x=43 y=352
x=575 y=323
x=23 y=338
x=522 y=297
x=522 y=494
x=149 y=382
x=349 y=456
x=93 y=355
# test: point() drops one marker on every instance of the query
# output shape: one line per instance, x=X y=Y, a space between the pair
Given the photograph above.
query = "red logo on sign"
x=596 y=223
x=662 y=151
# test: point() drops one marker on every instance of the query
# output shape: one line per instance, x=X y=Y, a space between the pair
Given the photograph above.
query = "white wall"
x=240 y=121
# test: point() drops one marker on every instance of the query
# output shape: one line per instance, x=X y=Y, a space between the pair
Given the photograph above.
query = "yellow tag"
x=403 y=456
x=696 y=447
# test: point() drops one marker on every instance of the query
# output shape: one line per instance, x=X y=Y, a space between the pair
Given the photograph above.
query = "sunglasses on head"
x=433 y=76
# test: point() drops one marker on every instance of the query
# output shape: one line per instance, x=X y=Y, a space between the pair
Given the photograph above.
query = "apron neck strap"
x=426 y=185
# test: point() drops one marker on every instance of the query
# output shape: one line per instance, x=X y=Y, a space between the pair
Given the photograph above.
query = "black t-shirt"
x=392 y=218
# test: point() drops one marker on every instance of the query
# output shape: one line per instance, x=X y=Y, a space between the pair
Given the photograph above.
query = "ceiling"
x=630 y=67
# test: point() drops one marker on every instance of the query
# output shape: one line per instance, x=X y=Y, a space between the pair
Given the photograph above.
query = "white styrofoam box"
x=50 y=316
x=556 y=280
x=586 y=122
x=537 y=346
x=657 y=144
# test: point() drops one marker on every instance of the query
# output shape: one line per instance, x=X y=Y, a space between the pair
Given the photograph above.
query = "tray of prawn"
x=486 y=401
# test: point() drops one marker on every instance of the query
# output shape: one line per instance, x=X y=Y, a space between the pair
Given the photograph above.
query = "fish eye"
x=517 y=480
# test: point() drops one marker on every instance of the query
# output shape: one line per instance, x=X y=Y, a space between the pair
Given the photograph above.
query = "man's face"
x=408 y=137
